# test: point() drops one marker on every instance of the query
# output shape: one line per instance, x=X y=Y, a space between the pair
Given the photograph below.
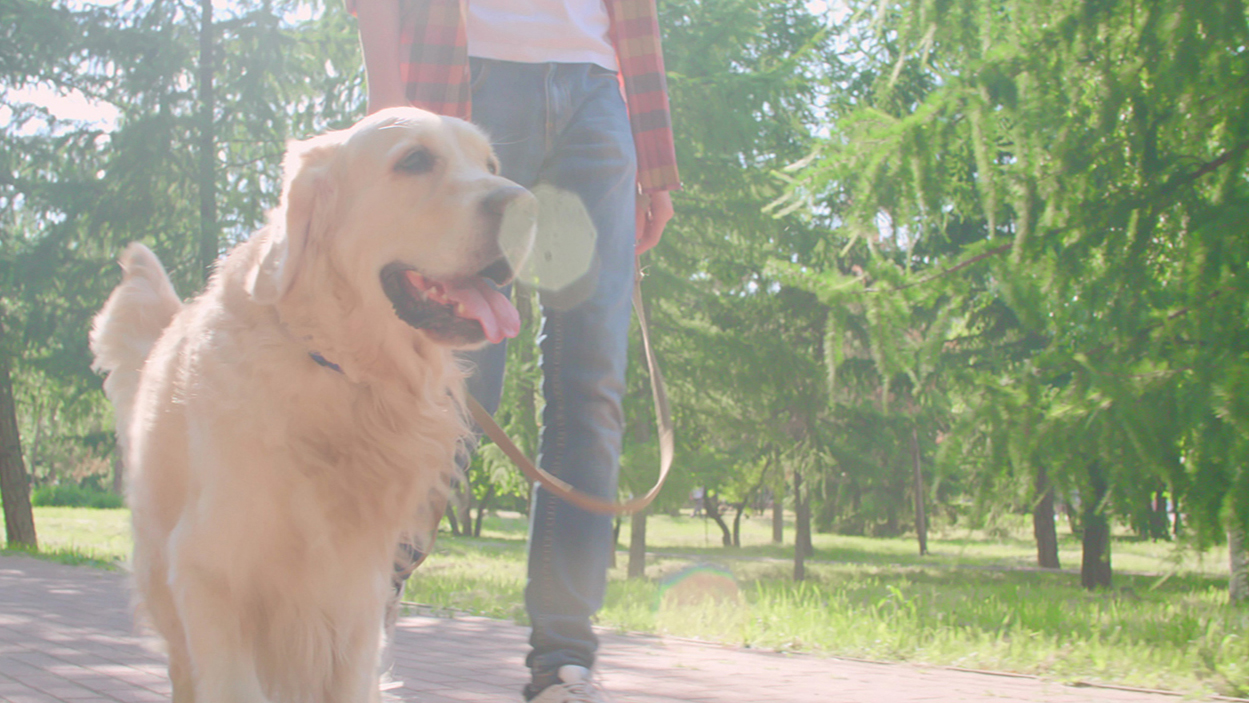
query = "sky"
x=73 y=105
x=65 y=106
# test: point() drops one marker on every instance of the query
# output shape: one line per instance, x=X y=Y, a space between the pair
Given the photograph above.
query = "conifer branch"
x=957 y=267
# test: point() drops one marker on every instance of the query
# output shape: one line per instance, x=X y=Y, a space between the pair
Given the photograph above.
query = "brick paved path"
x=66 y=635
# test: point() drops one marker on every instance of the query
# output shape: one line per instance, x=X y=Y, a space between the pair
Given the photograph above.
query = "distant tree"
x=19 y=521
x=72 y=193
x=1070 y=180
x=737 y=351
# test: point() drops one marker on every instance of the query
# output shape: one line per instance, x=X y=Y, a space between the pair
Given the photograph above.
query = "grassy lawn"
x=83 y=535
x=974 y=602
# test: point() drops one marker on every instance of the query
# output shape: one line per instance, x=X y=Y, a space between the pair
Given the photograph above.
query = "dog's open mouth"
x=466 y=309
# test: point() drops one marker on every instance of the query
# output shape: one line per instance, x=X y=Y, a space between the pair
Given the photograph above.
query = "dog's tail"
x=126 y=329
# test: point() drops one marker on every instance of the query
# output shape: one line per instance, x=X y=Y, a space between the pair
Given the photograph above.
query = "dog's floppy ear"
x=305 y=213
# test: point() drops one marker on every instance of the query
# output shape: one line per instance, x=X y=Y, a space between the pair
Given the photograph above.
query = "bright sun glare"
x=69 y=106
x=72 y=105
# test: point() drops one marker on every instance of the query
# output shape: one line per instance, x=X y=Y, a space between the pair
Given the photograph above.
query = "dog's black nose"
x=511 y=216
x=497 y=202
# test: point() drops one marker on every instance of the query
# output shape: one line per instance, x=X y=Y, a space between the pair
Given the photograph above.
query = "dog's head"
x=404 y=211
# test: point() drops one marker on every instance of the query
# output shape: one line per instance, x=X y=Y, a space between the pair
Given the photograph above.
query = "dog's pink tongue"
x=477 y=300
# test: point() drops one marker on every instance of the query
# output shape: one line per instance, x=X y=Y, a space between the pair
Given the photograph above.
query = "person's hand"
x=653 y=210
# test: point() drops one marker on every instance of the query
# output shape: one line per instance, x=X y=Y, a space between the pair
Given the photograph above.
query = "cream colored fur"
x=268 y=492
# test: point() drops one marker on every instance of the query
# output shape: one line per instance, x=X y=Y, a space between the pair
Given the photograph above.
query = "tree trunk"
x=461 y=507
x=19 y=519
x=452 y=520
x=778 y=515
x=481 y=509
x=32 y=464
x=1043 y=527
x=921 y=519
x=615 y=540
x=713 y=506
x=1073 y=519
x=737 y=523
x=802 y=529
x=1238 y=558
x=1177 y=526
x=637 y=545
x=208 y=240
x=1095 y=569
x=466 y=509
x=1159 y=524
x=747 y=500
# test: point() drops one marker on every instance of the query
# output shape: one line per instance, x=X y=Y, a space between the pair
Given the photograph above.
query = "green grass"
x=1179 y=636
x=974 y=602
x=98 y=535
x=61 y=555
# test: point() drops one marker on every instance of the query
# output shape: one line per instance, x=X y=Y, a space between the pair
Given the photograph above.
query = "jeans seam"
x=549 y=117
x=557 y=393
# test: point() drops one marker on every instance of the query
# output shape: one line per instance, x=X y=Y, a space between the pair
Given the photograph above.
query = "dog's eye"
x=420 y=160
x=493 y=167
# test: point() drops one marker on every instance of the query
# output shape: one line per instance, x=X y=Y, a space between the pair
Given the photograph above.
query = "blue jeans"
x=562 y=129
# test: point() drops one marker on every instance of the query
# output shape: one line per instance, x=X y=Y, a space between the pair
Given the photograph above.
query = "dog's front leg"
x=222 y=660
x=355 y=678
x=180 y=675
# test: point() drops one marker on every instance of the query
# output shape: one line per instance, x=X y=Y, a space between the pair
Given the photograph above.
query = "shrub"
x=105 y=500
x=70 y=496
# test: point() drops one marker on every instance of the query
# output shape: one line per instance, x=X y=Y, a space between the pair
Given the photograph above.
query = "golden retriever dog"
x=281 y=430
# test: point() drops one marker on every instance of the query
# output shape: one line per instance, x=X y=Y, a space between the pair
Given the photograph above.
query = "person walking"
x=544 y=79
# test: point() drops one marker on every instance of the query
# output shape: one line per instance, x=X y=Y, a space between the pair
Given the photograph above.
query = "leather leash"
x=563 y=489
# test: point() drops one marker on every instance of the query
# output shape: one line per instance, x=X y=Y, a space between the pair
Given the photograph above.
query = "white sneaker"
x=577 y=686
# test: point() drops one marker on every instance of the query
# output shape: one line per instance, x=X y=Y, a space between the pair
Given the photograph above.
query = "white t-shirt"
x=541 y=31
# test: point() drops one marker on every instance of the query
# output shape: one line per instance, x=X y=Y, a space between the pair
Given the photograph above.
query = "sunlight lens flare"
x=699 y=584
x=564 y=261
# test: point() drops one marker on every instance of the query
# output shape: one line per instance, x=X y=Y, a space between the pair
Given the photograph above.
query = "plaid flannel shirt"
x=434 y=45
